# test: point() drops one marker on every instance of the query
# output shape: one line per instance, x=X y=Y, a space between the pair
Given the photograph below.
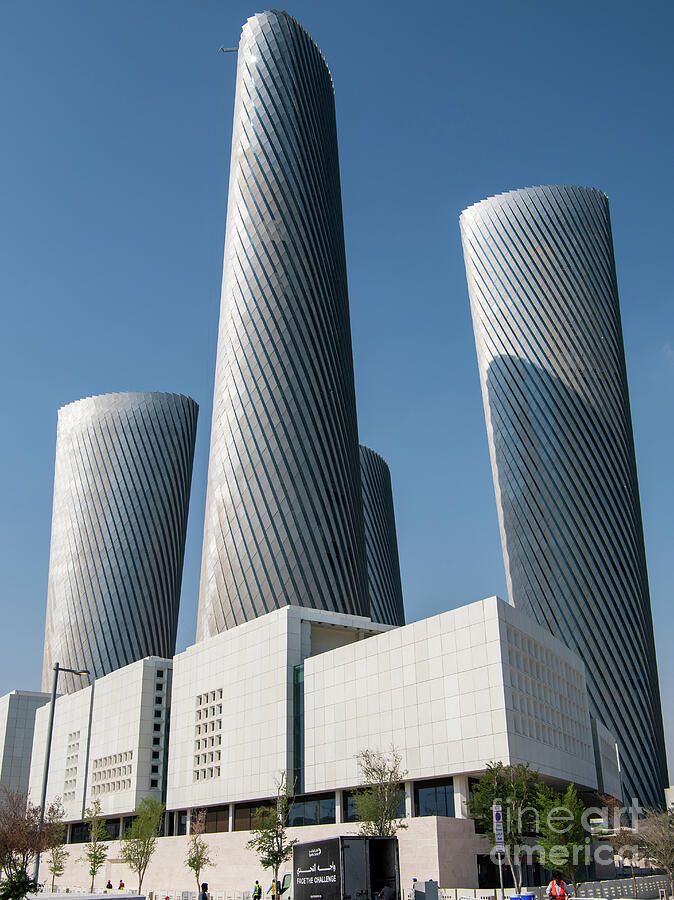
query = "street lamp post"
x=50 y=727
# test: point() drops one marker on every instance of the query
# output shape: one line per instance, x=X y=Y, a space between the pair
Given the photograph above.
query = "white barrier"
x=648 y=888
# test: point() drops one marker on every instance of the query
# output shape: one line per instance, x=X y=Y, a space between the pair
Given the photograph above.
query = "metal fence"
x=649 y=887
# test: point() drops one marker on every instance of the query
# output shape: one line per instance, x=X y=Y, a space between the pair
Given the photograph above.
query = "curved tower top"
x=283 y=521
x=544 y=300
x=381 y=542
x=121 y=493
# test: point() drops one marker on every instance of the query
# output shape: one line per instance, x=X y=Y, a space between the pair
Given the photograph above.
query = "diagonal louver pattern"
x=544 y=300
x=283 y=522
x=121 y=494
x=381 y=542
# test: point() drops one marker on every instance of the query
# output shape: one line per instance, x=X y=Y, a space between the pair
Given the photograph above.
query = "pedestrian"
x=108 y=886
x=557 y=889
x=121 y=885
x=271 y=890
x=204 y=895
x=387 y=893
x=257 y=891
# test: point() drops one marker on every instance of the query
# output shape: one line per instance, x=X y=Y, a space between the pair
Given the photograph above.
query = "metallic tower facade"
x=121 y=493
x=381 y=542
x=544 y=300
x=284 y=522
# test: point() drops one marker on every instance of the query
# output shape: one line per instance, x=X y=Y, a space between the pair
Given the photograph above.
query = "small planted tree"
x=516 y=789
x=57 y=854
x=380 y=804
x=270 y=840
x=96 y=848
x=198 y=852
x=56 y=863
x=655 y=839
x=625 y=844
x=21 y=839
x=139 y=842
x=562 y=834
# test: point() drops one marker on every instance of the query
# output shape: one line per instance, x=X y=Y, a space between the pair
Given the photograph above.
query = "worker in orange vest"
x=557 y=888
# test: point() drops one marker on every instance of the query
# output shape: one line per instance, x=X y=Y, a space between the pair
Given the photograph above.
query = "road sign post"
x=499 y=840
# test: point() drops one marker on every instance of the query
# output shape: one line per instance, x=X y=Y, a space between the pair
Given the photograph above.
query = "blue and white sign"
x=499 y=835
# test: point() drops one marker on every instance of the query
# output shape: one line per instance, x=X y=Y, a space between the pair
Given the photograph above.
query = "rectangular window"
x=326 y=810
x=79 y=833
x=217 y=819
x=155 y=741
x=155 y=754
x=318 y=809
x=153 y=782
x=112 y=827
x=298 y=726
x=434 y=798
x=157 y=727
x=244 y=814
x=350 y=813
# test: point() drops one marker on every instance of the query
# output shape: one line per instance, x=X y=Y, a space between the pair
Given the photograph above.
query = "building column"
x=461 y=796
x=188 y=824
x=409 y=799
x=231 y=817
x=339 y=807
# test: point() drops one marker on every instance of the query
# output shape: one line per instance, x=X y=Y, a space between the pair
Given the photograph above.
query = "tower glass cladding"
x=121 y=493
x=381 y=542
x=544 y=300
x=283 y=521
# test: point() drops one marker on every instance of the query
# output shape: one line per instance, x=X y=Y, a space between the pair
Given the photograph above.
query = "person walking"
x=257 y=891
x=271 y=890
x=203 y=893
x=557 y=888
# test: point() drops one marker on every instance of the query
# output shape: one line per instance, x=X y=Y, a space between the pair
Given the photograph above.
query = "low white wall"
x=442 y=849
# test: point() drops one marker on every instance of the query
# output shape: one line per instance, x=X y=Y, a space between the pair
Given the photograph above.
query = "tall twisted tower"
x=284 y=521
x=121 y=493
x=381 y=541
x=544 y=300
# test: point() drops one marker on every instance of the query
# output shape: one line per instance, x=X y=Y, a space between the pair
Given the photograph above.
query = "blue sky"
x=116 y=125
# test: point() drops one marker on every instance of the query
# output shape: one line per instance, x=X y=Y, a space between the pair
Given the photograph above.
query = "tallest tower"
x=284 y=520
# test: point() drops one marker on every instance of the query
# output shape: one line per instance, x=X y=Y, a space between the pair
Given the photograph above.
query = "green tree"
x=198 y=852
x=270 y=840
x=516 y=789
x=56 y=862
x=17 y=885
x=95 y=850
x=57 y=854
x=562 y=834
x=139 y=841
x=380 y=804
